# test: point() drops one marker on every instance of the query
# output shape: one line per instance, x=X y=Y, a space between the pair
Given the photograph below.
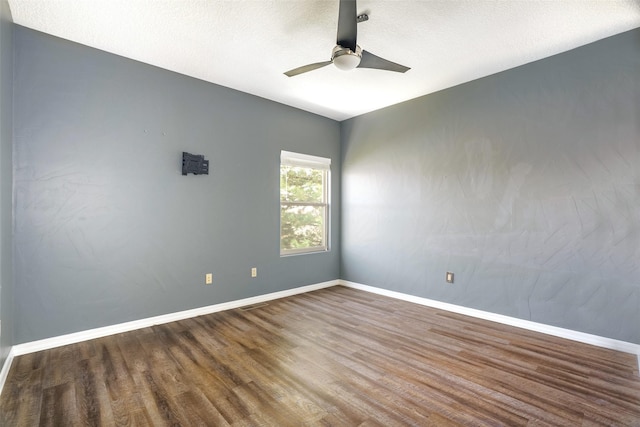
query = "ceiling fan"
x=347 y=55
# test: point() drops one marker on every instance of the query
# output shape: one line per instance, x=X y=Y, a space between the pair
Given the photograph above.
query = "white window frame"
x=288 y=158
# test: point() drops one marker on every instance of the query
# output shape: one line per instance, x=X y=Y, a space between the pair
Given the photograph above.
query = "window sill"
x=304 y=252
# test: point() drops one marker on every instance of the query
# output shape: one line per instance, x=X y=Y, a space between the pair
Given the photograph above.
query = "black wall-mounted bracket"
x=195 y=164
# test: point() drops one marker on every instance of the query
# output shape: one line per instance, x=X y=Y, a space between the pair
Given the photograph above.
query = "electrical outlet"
x=254 y=272
x=208 y=279
x=449 y=277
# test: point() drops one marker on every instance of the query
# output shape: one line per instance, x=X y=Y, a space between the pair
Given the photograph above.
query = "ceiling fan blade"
x=369 y=60
x=306 y=68
x=347 y=24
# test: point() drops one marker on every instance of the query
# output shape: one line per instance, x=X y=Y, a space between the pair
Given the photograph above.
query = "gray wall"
x=107 y=230
x=6 y=174
x=525 y=184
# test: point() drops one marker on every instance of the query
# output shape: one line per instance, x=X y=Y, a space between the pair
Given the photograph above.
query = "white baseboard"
x=582 y=337
x=90 y=334
x=5 y=368
x=58 y=341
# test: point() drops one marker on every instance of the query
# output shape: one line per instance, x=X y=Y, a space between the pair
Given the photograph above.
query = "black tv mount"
x=195 y=164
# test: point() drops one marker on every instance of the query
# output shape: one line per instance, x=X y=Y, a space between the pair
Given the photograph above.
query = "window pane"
x=298 y=184
x=301 y=227
x=304 y=203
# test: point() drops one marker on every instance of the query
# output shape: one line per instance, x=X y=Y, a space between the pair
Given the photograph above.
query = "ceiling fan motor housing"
x=346 y=59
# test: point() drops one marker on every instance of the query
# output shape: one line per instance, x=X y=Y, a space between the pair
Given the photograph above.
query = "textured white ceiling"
x=248 y=44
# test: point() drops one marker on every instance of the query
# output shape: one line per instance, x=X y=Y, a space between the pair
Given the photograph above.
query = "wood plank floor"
x=337 y=357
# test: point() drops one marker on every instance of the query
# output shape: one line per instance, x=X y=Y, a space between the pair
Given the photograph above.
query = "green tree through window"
x=303 y=203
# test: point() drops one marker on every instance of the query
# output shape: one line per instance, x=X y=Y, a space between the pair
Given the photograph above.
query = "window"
x=304 y=203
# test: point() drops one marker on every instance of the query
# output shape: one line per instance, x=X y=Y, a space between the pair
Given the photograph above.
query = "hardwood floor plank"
x=166 y=412
x=90 y=411
x=199 y=410
x=58 y=406
x=139 y=418
x=333 y=357
x=22 y=394
x=211 y=385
